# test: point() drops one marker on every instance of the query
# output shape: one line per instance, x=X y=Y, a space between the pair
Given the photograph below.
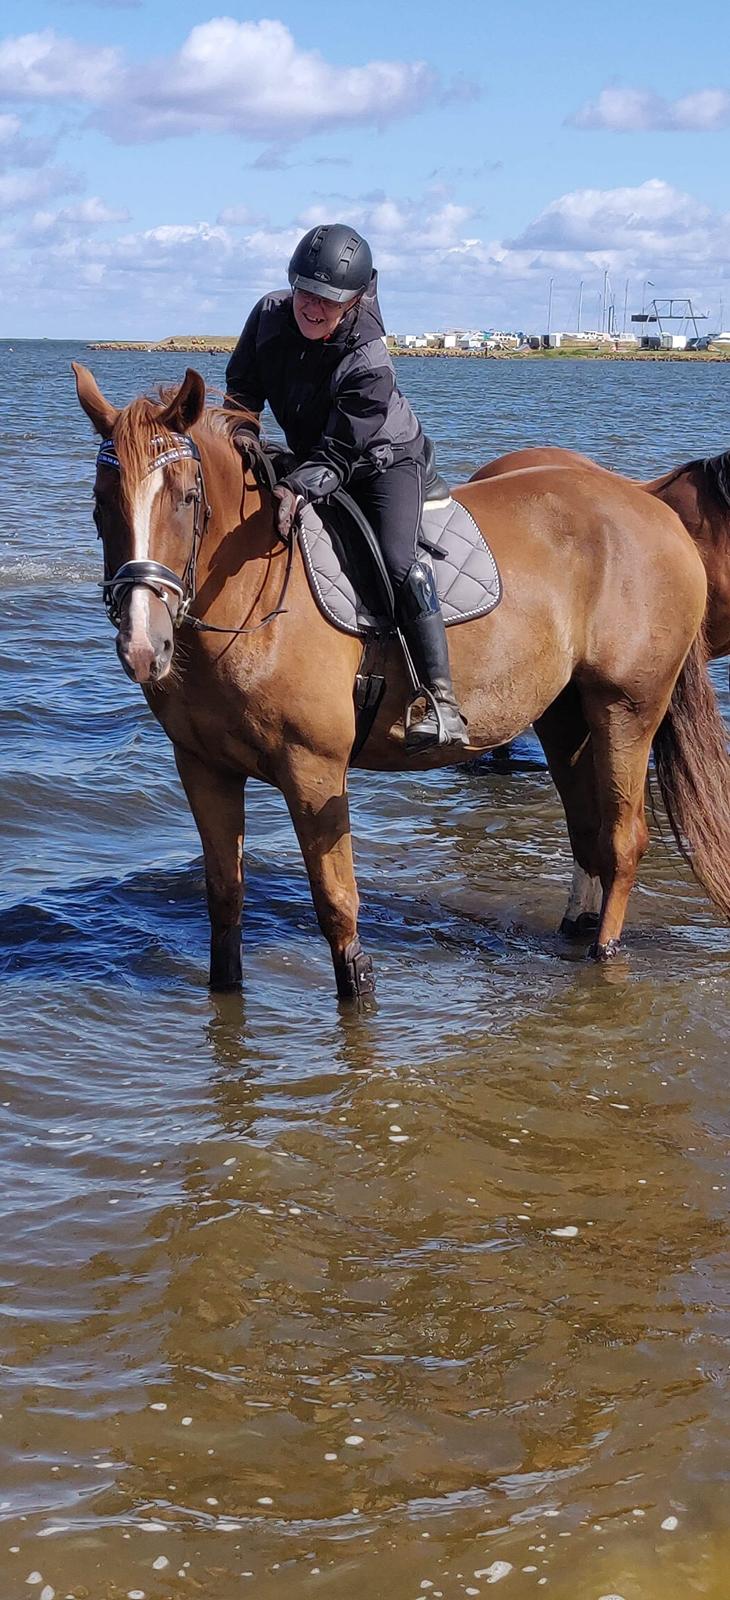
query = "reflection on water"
x=405 y=1303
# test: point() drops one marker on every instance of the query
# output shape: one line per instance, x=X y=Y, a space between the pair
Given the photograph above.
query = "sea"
x=298 y=1301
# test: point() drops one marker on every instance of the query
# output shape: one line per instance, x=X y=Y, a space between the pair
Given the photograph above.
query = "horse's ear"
x=98 y=409
x=186 y=407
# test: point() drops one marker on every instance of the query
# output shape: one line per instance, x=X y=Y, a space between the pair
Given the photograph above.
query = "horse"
x=597 y=640
x=699 y=492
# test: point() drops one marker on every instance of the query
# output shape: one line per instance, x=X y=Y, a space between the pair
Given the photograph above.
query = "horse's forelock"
x=138 y=437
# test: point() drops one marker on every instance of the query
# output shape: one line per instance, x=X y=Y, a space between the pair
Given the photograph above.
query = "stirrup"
x=414 y=740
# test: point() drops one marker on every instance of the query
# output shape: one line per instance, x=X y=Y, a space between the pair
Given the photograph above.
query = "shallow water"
x=300 y=1302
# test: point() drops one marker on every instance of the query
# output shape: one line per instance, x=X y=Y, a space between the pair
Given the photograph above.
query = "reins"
x=161 y=580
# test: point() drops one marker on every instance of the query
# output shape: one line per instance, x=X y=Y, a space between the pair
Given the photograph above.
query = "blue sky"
x=158 y=162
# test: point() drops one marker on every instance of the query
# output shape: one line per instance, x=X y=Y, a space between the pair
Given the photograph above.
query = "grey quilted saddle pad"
x=467 y=579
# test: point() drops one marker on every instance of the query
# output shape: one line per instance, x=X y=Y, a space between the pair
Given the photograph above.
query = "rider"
x=318 y=355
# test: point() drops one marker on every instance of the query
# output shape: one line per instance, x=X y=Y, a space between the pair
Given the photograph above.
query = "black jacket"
x=335 y=399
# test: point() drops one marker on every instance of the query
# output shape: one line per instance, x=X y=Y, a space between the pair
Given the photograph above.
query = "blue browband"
x=184 y=449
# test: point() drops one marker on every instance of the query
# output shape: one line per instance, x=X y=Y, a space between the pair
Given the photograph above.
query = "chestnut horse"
x=699 y=492
x=604 y=595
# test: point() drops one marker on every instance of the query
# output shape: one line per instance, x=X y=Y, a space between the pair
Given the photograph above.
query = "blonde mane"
x=224 y=419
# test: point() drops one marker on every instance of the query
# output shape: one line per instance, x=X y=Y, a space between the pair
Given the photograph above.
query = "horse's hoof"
x=605 y=952
x=354 y=973
x=580 y=927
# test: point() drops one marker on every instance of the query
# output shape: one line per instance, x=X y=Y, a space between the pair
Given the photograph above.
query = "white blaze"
x=138 y=614
x=144 y=500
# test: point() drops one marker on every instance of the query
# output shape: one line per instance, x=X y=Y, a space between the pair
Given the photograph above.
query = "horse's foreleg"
x=316 y=794
x=216 y=801
x=621 y=738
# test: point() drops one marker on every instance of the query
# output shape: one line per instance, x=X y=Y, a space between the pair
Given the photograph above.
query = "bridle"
x=161 y=580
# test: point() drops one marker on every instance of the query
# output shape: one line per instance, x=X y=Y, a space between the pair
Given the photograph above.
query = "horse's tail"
x=693 y=768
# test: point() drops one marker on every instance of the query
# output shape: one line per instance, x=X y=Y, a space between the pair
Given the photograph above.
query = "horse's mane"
x=716 y=472
x=223 y=420
x=717 y=469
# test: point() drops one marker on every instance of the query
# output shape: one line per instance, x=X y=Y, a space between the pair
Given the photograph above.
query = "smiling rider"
x=317 y=353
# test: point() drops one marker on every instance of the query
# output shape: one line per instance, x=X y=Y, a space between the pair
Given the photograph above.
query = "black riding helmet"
x=333 y=262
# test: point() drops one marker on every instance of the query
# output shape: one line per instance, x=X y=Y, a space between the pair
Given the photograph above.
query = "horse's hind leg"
x=565 y=737
x=216 y=801
x=316 y=794
x=621 y=735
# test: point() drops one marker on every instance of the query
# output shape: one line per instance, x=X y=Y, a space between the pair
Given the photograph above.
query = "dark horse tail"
x=693 y=768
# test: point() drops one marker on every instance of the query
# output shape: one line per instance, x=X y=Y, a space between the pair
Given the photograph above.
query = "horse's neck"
x=686 y=495
x=241 y=558
x=233 y=501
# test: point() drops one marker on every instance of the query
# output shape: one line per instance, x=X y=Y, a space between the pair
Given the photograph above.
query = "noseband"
x=152 y=574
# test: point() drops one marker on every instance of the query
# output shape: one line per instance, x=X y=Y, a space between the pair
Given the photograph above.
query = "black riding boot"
x=419 y=615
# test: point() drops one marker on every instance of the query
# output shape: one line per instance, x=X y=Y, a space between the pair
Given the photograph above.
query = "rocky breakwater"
x=219 y=344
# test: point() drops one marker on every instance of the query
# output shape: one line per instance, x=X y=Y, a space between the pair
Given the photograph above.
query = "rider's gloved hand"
x=247 y=440
x=287 y=506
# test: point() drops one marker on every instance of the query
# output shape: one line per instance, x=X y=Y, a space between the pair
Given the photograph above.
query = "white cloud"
x=626 y=219
x=45 y=66
x=704 y=111
x=252 y=78
x=629 y=110
x=437 y=265
x=54 y=226
x=21 y=189
x=94 y=211
x=249 y=78
x=18 y=151
x=239 y=217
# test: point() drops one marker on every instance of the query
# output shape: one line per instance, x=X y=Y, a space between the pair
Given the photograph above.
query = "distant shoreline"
x=223 y=344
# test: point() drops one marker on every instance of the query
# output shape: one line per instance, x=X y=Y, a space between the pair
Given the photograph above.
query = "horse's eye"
x=190 y=497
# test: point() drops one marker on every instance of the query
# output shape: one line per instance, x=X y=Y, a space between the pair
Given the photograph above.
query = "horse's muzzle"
x=145 y=637
x=143 y=664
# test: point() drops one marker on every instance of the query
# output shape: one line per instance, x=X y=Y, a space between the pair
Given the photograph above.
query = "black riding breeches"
x=393 y=504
